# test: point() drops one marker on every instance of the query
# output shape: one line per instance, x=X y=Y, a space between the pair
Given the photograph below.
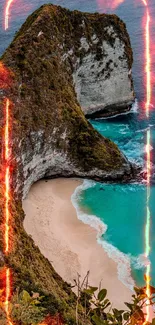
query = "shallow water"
x=121 y=207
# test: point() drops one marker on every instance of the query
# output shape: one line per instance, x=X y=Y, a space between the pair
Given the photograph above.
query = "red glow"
x=52 y=320
x=7 y=12
x=7 y=130
x=7 y=203
x=8 y=293
x=7 y=212
x=5 y=80
x=145 y=3
x=109 y=4
x=7 y=177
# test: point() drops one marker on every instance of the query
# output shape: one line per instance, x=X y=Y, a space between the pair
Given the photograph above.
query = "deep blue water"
x=121 y=207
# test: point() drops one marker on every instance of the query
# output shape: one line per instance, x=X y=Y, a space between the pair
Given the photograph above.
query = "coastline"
x=69 y=244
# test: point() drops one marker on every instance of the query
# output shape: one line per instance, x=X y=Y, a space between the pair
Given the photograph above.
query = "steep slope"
x=50 y=136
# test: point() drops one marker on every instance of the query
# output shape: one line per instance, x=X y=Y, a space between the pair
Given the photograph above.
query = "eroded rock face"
x=104 y=84
x=101 y=67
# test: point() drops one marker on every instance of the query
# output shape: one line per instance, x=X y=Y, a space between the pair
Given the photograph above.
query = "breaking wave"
x=123 y=261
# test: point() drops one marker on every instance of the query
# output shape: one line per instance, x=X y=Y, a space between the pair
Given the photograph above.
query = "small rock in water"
x=102 y=188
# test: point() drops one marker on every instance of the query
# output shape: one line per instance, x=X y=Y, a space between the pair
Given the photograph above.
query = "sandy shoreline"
x=68 y=243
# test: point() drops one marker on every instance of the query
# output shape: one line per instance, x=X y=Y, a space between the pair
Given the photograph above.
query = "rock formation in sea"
x=58 y=59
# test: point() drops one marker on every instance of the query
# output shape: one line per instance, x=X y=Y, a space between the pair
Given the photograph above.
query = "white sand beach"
x=68 y=243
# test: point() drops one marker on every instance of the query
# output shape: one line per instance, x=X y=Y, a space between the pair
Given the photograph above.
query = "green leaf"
x=102 y=294
x=106 y=301
x=126 y=316
x=110 y=316
x=25 y=296
x=99 y=321
x=91 y=290
x=130 y=306
x=107 y=305
x=117 y=312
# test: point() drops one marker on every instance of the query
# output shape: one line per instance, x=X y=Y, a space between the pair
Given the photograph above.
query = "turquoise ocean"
x=118 y=212
x=121 y=209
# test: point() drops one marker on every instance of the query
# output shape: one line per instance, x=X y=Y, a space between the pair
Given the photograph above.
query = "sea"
x=117 y=211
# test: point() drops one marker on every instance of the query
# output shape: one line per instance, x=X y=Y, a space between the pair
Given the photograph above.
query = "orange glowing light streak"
x=7 y=212
x=7 y=131
x=7 y=12
x=7 y=201
x=8 y=276
x=7 y=176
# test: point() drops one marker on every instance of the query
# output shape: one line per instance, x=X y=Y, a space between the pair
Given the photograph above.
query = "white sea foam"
x=123 y=260
x=123 y=263
x=88 y=219
x=135 y=107
x=140 y=262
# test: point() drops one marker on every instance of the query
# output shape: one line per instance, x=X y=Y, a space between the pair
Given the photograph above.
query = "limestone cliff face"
x=100 y=56
x=102 y=79
x=49 y=134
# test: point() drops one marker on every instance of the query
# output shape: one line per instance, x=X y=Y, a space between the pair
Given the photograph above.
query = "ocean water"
x=118 y=212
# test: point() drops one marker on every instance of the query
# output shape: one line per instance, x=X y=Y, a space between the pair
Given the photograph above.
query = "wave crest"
x=123 y=260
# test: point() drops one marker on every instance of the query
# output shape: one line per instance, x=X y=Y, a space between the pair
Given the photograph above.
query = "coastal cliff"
x=50 y=136
x=53 y=138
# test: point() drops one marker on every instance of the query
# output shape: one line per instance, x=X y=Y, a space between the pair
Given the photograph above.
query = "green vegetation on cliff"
x=44 y=87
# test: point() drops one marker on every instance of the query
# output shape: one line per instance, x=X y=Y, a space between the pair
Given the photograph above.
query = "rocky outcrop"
x=102 y=79
x=49 y=134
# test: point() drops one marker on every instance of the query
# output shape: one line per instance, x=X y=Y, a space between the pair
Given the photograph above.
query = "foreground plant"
x=99 y=310
x=26 y=309
x=102 y=313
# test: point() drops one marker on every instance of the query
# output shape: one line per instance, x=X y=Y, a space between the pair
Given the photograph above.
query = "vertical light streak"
x=7 y=208
x=7 y=212
x=7 y=180
x=7 y=177
x=148 y=65
x=147 y=227
x=7 y=11
x=148 y=161
x=7 y=131
x=8 y=276
x=109 y=4
x=145 y=3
